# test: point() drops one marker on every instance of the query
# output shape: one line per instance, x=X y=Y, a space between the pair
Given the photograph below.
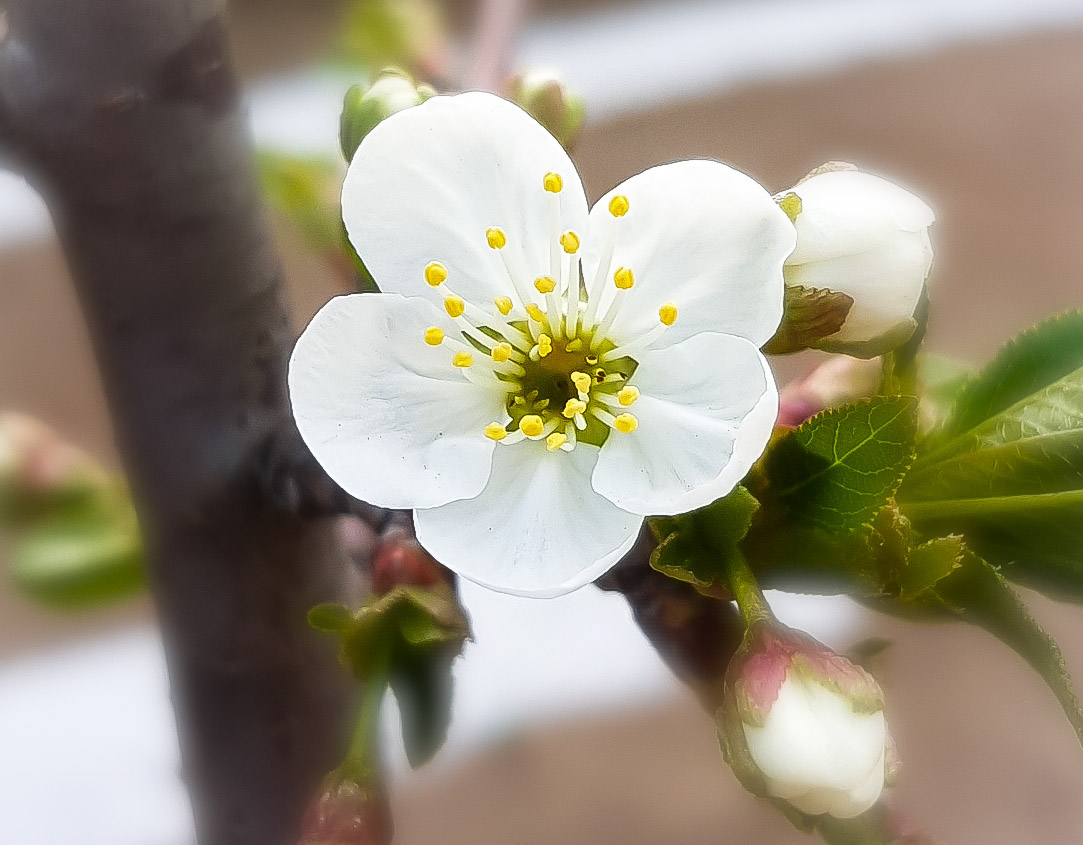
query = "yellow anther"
x=541 y=405
x=574 y=346
x=581 y=381
x=434 y=336
x=535 y=313
x=495 y=431
x=545 y=284
x=545 y=340
x=531 y=425
x=502 y=352
x=618 y=206
x=555 y=440
x=553 y=183
x=435 y=273
x=627 y=395
x=623 y=278
x=791 y=204
x=463 y=360
x=573 y=407
x=454 y=306
x=570 y=242
x=625 y=423
x=496 y=237
x=503 y=305
x=668 y=314
x=591 y=359
x=600 y=375
x=518 y=400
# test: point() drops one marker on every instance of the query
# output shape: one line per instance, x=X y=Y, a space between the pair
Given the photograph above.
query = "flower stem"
x=746 y=590
x=362 y=762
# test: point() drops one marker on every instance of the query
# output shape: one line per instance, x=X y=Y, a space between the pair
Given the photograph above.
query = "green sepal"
x=330 y=618
x=810 y=316
x=892 y=339
x=407 y=639
x=695 y=547
x=837 y=470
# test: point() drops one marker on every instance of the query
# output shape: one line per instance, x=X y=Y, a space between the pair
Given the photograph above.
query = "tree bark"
x=125 y=114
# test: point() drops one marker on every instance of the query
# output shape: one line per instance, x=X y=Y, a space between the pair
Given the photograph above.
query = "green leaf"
x=422 y=685
x=698 y=544
x=1012 y=481
x=838 y=469
x=81 y=558
x=809 y=316
x=977 y=593
x=330 y=618
x=1034 y=359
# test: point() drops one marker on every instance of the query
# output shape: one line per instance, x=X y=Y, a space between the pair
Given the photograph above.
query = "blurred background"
x=567 y=726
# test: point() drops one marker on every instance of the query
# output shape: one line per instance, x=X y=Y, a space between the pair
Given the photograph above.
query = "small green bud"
x=551 y=103
x=364 y=108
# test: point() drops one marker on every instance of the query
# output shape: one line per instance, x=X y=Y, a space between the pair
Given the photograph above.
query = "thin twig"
x=496 y=31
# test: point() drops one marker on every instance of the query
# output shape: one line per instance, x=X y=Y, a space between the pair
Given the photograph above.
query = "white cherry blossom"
x=535 y=377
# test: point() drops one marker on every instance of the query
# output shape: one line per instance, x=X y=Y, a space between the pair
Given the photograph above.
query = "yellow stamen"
x=463 y=360
x=627 y=395
x=574 y=346
x=541 y=405
x=502 y=352
x=496 y=237
x=535 y=313
x=668 y=314
x=574 y=406
x=434 y=336
x=545 y=345
x=623 y=278
x=435 y=273
x=618 y=206
x=531 y=425
x=581 y=381
x=553 y=183
x=570 y=242
x=454 y=306
x=503 y=305
x=591 y=359
x=545 y=284
x=555 y=440
x=495 y=431
x=625 y=423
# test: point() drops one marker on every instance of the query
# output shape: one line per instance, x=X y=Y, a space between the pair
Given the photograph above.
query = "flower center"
x=564 y=380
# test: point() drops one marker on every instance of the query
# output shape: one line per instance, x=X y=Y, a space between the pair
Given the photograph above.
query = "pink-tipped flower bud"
x=346 y=813
x=803 y=725
x=837 y=381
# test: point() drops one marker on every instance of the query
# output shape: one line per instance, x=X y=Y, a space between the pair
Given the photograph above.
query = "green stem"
x=746 y=590
x=362 y=762
x=989 y=505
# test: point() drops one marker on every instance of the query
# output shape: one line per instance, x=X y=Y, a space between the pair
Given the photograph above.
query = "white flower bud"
x=866 y=237
x=804 y=725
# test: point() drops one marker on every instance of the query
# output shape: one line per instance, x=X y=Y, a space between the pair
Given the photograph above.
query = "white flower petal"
x=885 y=282
x=706 y=410
x=816 y=753
x=703 y=236
x=427 y=183
x=538 y=529
x=845 y=212
x=387 y=416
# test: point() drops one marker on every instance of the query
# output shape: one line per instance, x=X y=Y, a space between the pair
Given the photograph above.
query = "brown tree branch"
x=130 y=126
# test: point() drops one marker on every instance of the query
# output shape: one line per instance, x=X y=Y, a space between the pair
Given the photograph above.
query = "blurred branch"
x=131 y=128
x=497 y=27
